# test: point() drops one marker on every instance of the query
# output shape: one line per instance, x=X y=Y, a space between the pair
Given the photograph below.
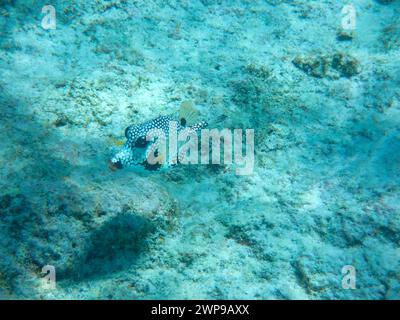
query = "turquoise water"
x=316 y=218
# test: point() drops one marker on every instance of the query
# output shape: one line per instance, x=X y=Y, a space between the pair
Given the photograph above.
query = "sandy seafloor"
x=325 y=107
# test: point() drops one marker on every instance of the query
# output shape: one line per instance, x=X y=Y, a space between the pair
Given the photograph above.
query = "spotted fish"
x=137 y=148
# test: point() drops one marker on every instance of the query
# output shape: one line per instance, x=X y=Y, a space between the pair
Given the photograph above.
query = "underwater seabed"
x=317 y=219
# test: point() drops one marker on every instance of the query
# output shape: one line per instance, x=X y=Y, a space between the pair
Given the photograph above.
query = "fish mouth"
x=114 y=166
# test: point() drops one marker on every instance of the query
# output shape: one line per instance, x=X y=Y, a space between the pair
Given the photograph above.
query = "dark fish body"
x=137 y=147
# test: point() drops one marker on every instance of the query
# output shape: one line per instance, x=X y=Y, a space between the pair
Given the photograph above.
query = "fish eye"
x=141 y=142
x=115 y=165
x=130 y=131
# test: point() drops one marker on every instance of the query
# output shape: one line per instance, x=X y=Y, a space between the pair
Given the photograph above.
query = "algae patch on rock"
x=330 y=66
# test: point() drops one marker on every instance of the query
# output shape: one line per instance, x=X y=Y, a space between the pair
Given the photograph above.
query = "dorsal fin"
x=188 y=114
